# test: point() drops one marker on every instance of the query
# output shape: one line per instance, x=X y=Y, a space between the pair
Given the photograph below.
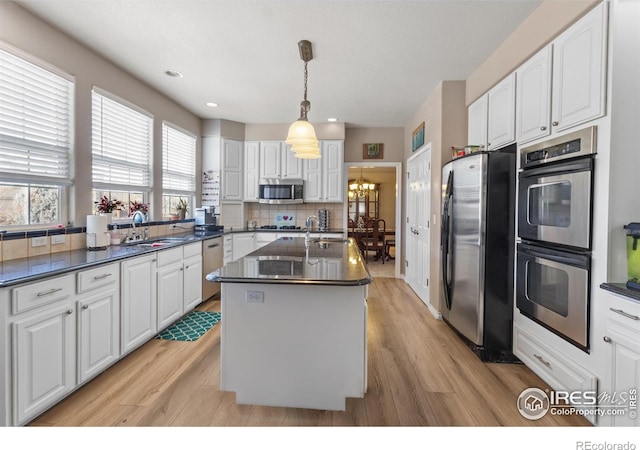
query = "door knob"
x=607 y=339
x=543 y=128
x=555 y=124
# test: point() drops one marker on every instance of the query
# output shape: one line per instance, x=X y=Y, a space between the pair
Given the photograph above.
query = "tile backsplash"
x=268 y=214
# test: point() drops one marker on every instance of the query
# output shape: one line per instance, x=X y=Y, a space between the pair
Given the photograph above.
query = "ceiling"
x=374 y=64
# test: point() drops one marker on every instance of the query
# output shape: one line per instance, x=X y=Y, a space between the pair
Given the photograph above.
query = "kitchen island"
x=294 y=324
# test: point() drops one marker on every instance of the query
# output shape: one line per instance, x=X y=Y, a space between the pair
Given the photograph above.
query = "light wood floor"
x=420 y=374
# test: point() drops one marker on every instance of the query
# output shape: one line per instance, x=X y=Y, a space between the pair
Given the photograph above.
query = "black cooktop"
x=281 y=227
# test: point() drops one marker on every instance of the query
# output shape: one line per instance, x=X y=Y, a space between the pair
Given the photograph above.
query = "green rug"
x=191 y=326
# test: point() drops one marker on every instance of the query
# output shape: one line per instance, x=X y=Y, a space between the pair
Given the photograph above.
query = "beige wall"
x=546 y=22
x=445 y=117
x=28 y=33
x=391 y=137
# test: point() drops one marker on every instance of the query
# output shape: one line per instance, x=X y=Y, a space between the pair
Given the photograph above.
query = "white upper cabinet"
x=564 y=84
x=533 y=98
x=501 y=119
x=277 y=161
x=251 y=170
x=491 y=118
x=232 y=168
x=579 y=71
x=477 y=120
x=324 y=177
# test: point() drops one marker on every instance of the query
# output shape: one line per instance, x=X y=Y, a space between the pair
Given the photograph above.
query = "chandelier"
x=360 y=187
x=302 y=136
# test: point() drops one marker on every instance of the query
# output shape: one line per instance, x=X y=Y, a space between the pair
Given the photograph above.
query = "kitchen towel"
x=191 y=326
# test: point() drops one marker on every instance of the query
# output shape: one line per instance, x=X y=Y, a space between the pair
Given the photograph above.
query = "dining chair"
x=375 y=239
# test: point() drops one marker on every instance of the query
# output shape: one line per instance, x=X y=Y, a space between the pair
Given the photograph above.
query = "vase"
x=181 y=214
x=109 y=217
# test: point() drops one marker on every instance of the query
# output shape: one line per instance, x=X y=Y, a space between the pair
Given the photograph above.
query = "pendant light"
x=302 y=136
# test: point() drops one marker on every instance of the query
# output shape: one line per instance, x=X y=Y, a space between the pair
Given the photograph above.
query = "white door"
x=333 y=168
x=138 y=301
x=232 y=168
x=501 y=119
x=418 y=224
x=291 y=166
x=270 y=159
x=192 y=283
x=170 y=294
x=579 y=71
x=533 y=97
x=251 y=170
x=477 y=123
x=44 y=359
x=98 y=332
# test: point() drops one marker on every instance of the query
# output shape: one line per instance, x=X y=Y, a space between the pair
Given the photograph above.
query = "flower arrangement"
x=106 y=205
x=135 y=206
x=182 y=205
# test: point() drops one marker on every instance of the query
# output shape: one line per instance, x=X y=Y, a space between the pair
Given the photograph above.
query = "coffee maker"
x=205 y=215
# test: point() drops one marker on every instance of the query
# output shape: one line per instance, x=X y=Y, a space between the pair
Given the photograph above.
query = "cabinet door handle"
x=543 y=128
x=186 y=267
x=555 y=124
x=622 y=313
x=50 y=291
x=100 y=277
x=85 y=306
x=70 y=311
x=606 y=339
x=541 y=359
x=213 y=245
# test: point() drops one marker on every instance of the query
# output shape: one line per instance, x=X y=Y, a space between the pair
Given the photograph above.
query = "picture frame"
x=372 y=151
x=417 y=138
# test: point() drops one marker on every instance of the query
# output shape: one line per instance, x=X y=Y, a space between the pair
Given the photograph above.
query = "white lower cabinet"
x=98 y=319
x=170 y=279
x=43 y=359
x=192 y=279
x=243 y=244
x=138 y=289
x=558 y=371
x=623 y=336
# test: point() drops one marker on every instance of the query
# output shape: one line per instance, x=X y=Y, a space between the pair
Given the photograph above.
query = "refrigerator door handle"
x=445 y=239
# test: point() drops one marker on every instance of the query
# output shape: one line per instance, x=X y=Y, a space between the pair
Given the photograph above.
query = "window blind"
x=36 y=125
x=121 y=145
x=178 y=160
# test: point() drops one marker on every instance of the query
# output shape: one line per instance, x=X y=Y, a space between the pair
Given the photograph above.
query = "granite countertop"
x=29 y=269
x=622 y=289
x=332 y=262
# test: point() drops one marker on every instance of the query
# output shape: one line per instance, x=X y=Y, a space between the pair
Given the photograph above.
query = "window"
x=178 y=167
x=121 y=146
x=36 y=137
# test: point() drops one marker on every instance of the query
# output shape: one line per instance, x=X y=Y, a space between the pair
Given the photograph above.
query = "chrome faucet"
x=308 y=223
x=138 y=217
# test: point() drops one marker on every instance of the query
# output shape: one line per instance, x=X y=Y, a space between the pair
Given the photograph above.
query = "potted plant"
x=107 y=206
x=182 y=208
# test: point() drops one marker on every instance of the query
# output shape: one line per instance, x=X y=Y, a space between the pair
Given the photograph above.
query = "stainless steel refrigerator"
x=477 y=250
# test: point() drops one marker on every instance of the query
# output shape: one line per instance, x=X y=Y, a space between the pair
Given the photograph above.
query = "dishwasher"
x=212 y=254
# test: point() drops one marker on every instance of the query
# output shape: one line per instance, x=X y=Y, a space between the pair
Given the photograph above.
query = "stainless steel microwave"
x=278 y=192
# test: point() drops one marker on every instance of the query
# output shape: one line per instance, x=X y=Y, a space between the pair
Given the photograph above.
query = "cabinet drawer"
x=94 y=278
x=192 y=250
x=627 y=312
x=557 y=370
x=34 y=295
x=169 y=256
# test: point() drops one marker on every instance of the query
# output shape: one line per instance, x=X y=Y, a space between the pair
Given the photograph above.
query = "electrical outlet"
x=255 y=297
x=39 y=241
x=58 y=239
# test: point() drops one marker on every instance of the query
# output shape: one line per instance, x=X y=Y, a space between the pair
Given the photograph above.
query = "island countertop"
x=290 y=260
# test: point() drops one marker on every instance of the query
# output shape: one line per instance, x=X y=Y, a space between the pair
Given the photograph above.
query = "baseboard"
x=434 y=312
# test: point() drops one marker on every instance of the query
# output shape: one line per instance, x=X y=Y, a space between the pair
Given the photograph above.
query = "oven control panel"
x=572 y=145
x=550 y=153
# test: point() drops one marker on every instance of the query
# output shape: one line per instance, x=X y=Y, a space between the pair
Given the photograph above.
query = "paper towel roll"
x=97 y=231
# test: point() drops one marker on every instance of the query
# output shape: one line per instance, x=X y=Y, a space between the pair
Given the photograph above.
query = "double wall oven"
x=555 y=197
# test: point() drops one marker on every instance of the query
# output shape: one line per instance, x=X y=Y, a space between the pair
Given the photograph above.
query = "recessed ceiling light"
x=173 y=73
x=332 y=119
x=212 y=104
